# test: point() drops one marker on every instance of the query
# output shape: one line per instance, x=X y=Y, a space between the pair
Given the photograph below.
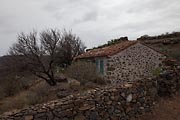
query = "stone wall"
x=136 y=62
x=108 y=103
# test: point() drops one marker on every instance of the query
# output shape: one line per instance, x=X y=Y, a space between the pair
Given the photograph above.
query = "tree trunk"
x=51 y=82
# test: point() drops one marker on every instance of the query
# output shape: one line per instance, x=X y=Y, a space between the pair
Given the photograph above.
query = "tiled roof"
x=107 y=51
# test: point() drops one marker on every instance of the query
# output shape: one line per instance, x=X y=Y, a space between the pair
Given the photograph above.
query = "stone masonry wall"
x=136 y=62
x=108 y=103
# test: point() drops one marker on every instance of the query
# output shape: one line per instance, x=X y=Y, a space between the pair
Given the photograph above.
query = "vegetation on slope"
x=111 y=42
x=169 y=45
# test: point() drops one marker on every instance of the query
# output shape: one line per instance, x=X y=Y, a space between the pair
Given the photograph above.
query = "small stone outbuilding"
x=125 y=61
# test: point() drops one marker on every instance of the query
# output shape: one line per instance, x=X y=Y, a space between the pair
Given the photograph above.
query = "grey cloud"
x=148 y=6
x=56 y=5
x=89 y=16
x=94 y=21
x=73 y=11
x=6 y=24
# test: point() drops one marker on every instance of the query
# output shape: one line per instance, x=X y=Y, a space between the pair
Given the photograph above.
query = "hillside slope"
x=169 y=46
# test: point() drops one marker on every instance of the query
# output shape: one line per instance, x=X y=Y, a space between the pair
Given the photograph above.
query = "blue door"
x=102 y=67
x=97 y=65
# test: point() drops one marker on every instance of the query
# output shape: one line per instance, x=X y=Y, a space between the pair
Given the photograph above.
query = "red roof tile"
x=107 y=51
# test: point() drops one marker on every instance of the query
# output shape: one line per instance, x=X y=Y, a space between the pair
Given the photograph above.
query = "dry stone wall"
x=134 y=63
x=108 y=103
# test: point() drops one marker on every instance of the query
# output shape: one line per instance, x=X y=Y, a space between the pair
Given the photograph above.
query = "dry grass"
x=84 y=72
x=10 y=103
x=41 y=92
x=12 y=85
x=167 y=109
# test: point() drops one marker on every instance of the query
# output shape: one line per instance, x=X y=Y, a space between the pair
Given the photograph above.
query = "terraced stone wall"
x=108 y=103
x=134 y=63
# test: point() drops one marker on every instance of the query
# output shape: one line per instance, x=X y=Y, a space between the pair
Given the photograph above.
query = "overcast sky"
x=94 y=21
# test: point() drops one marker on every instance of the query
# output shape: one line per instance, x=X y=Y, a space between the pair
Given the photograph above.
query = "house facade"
x=126 y=61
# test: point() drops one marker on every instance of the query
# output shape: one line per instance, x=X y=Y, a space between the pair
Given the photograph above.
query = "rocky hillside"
x=169 y=45
x=162 y=36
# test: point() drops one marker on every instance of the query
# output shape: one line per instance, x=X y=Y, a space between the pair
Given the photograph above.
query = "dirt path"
x=167 y=109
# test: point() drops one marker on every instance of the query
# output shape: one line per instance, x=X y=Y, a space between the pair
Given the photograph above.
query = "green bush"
x=157 y=71
x=84 y=72
x=175 y=55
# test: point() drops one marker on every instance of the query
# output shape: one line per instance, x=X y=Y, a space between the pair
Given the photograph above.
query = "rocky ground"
x=166 y=109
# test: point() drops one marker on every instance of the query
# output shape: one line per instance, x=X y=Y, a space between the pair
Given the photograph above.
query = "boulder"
x=74 y=84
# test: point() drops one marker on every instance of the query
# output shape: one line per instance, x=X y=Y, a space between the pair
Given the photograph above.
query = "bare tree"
x=70 y=46
x=39 y=53
x=42 y=53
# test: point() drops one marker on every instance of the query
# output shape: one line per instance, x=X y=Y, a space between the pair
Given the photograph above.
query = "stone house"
x=125 y=61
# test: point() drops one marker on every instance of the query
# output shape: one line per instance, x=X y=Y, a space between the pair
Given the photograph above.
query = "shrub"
x=100 y=80
x=157 y=71
x=12 y=84
x=175 y=55
x=83 y=72
x=41 y=89
x=10 y=87
x=38 y=94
